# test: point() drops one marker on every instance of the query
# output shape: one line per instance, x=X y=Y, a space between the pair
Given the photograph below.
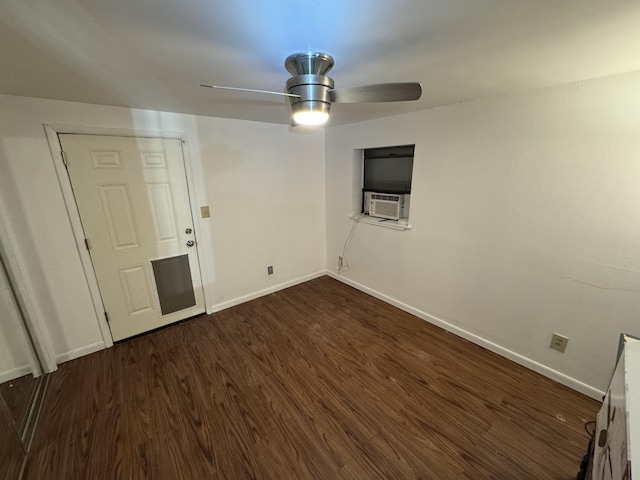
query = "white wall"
x=16 y=356
x=264 y=184
x=525 y=222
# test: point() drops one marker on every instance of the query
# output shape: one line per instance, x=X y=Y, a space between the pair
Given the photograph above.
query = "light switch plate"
x=204 y=212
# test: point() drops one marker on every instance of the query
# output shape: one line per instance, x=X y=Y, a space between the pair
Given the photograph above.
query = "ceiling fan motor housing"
x=313 y=91
x=314 y=63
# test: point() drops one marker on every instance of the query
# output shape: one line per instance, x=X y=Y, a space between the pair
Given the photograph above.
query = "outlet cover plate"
x=559 y=342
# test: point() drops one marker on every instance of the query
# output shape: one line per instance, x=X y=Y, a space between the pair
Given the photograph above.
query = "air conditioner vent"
x=385 y=210
x=388 y=198
x=385 y=206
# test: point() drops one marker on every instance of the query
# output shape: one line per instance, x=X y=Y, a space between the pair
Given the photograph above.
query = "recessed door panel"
x=106 y=159
x=118 y=216
x=154 y=160
x=136 y=289
x=162 y=209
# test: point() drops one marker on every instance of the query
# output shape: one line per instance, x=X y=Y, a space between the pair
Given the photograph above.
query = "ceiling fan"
x=310 y=91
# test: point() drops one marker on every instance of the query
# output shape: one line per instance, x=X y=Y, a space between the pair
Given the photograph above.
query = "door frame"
x=52 y=131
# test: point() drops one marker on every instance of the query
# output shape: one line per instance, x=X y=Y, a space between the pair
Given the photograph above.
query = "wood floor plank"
x=317 y=381
x=389 y=457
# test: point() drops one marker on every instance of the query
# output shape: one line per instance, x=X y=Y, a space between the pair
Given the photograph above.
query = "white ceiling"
x=154 y=53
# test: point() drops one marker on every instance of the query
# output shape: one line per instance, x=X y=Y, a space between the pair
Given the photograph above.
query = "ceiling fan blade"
x=381 y=92
x=249 y=90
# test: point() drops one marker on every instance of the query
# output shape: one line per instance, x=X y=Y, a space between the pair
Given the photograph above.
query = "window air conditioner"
x=384 y=205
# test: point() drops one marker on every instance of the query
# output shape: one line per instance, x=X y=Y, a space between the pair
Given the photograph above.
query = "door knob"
x=190 y=243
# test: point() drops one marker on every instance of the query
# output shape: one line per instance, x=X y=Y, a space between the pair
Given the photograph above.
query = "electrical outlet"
x=559 y=342
x=270 y=270
x=340 y=261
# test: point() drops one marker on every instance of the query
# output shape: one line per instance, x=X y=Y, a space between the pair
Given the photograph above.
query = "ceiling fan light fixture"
x=311 y=118
x=311 y=92
x=310 y=113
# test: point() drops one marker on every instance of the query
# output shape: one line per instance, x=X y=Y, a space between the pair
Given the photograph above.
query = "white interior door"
x=134 y=205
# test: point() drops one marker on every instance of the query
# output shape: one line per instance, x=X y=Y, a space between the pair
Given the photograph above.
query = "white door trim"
x=52 y=131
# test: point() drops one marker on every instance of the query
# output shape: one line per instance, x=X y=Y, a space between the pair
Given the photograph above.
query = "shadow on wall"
x=217 y=160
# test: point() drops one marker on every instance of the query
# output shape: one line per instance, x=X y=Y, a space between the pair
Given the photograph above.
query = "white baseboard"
x=15 y=373
x=261 y=293
x=80 y=352
x=478 y=340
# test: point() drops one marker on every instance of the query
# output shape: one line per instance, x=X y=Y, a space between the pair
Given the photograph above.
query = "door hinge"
x=106 y=315
x=64 y=158
x=87 y=243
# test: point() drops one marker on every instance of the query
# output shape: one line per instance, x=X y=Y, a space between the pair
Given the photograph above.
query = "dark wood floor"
x=316 y=381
